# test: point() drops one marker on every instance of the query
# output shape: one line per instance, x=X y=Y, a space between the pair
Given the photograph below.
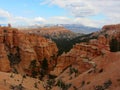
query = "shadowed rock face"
x=19 y=49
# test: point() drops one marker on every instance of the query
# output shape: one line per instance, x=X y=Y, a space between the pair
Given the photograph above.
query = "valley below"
x=55 y=58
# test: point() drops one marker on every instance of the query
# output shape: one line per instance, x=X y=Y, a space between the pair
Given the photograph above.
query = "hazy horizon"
x=95 y=13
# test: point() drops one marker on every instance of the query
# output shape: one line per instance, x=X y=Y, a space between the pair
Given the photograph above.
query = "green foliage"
x=99 y=87
x=33 y=68
x=17 y=87
x=14 y=58
x=24 y=76
x=44 y=68
x=65 y=44
x=73 y=70
x=33 y=64
x=105 y=85
x=5 y=31
x=44 y=64
x=50 y=83
x=114 y=45
x=83 y=83
x=35 y=85
x=62 y=85
x=34 y=74
x=52 y=76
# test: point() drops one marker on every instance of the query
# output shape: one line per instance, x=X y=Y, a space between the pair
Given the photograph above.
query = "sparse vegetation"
x=44 y=69
x=62 y=85
x=114 y=45
x=88 y=82
x=24 y=76
x=50 y=83
x=99 y=87
x=52 y=76
x=75 y=88
x=33 y=67
x=17 y=87
x=83 y=83
x=105 y=85
x=68 y=43
x=35 y=85
x=14 y=58
x=101 y=70
x=73 y=70
x=44 y=64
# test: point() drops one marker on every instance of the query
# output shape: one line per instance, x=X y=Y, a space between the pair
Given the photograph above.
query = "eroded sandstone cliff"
x=18 y=49
x=82 y=54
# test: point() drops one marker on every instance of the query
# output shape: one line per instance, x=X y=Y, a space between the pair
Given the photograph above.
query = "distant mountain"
x=53 y=32
x=78 y=28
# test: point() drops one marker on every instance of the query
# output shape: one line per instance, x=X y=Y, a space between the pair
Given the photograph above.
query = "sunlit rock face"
x=19 y=49
x=79 y=52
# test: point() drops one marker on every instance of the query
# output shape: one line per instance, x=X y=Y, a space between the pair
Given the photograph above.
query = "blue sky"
x=87 y=12
x=30 y=8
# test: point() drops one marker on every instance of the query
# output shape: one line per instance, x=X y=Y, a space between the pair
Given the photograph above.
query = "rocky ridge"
x=81 y=54
x=55 y=32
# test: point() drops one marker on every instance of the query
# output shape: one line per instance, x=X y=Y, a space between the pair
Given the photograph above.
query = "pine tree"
x=114 y=45
x=45 y=64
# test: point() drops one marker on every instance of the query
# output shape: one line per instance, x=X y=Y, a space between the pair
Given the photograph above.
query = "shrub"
x=107 y=84
x=99 y=87
x=73 y=70
x=114 y=45
x=62 y=85
x=35 y=85
x=17 y=87
x=101 y=70
x=45 y=64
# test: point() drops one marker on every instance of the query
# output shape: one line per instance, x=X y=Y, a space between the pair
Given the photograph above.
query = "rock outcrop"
x=81 y=54
x=111 y=27
x=19 y=49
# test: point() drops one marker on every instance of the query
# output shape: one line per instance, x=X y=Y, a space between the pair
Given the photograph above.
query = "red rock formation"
x=4 y=62
x=107 y=74
x=111 y=27
x=25 y=47
x=80 y=52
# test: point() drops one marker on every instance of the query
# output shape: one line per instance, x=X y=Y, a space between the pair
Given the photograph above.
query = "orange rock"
x=4 y=62
x=28 y=47
x=81 y=51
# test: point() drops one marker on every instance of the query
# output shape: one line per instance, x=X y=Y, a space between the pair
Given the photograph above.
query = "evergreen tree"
x=45 y=64
x=114 y=45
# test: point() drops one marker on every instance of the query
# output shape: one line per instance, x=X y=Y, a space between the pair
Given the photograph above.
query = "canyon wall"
x=81 y=54
x=19 y=49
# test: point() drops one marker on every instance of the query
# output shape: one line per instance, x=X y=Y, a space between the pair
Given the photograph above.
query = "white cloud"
x=85 y=8
x=80 y=10
x=6 y=17
x=39 y=20
x=4 y=14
